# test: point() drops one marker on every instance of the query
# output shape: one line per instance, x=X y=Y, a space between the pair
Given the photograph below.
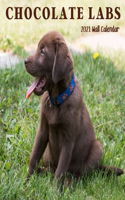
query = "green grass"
x=24 y=32
x=103 y=89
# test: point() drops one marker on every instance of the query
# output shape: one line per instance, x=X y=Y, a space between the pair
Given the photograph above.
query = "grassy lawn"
x=103 y=92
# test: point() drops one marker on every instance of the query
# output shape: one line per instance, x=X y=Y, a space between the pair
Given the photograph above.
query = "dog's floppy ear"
x=63 y=62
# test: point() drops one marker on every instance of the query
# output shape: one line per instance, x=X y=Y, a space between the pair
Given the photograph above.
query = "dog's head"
x=51 y=62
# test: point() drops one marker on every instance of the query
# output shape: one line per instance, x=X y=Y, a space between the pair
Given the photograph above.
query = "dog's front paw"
x=27 y=179
x=59 y=183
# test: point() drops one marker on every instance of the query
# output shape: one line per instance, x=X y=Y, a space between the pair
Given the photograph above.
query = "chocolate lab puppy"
x=65 y=135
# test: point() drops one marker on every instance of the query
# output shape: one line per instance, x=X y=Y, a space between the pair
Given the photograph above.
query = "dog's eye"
x=42 y=51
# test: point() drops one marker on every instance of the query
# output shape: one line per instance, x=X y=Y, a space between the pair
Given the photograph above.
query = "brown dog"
x=65 y=133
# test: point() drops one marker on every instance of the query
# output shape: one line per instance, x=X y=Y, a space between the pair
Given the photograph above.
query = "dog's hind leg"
x=110 y=170
x=94 y=157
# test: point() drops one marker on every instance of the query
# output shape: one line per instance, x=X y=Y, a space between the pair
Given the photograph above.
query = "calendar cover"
x=93 y=39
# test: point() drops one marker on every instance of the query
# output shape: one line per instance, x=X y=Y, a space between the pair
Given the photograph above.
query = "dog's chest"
x=53 y=115
x=56 y=140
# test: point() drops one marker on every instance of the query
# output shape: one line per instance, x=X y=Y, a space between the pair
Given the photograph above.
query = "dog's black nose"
x=26 y=61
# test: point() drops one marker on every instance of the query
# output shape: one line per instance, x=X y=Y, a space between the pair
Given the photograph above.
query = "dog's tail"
x=111 y=170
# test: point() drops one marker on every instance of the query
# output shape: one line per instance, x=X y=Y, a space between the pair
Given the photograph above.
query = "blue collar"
x=62 y=97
